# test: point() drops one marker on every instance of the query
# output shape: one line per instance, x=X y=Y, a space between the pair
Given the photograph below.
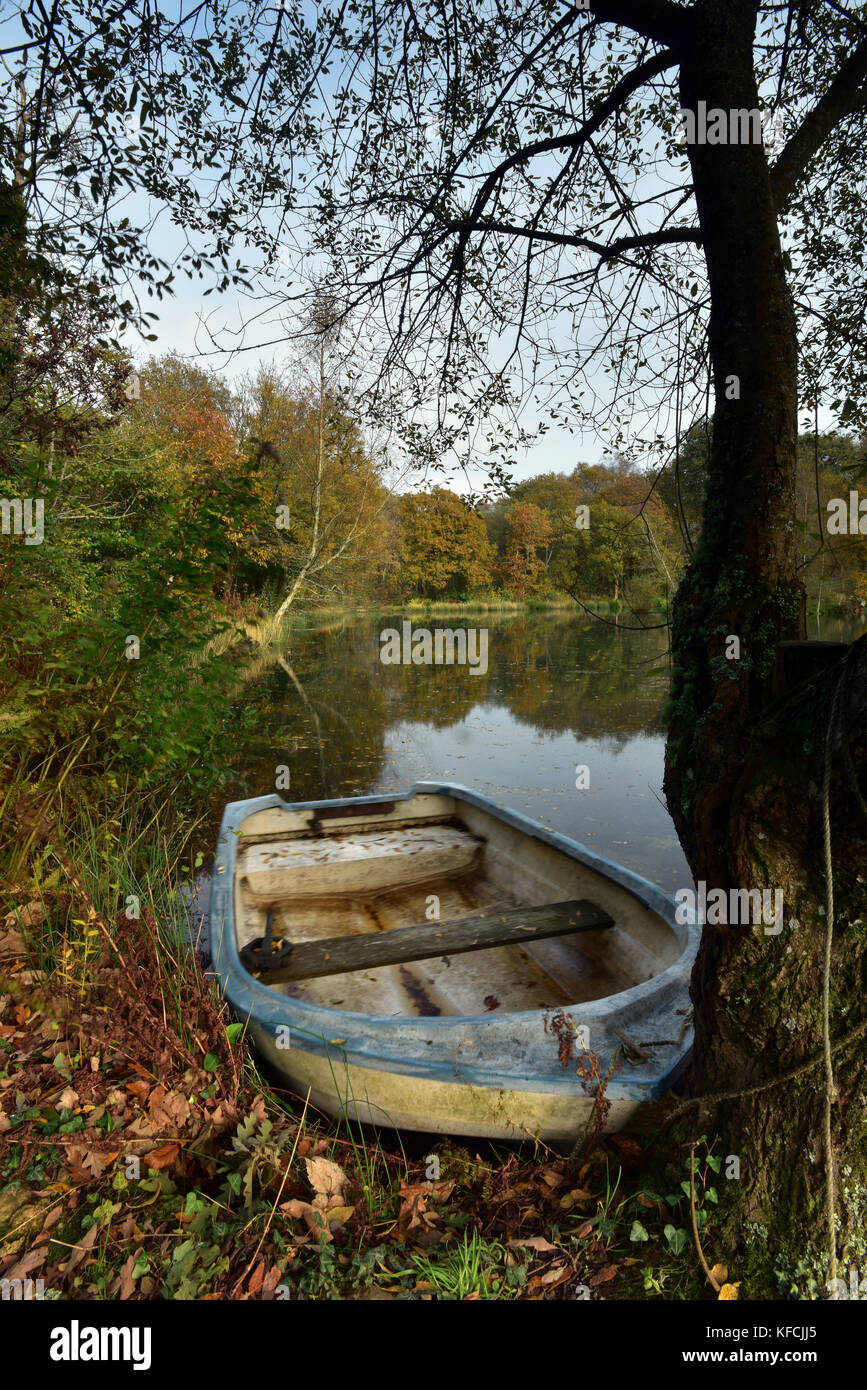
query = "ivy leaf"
x=677 y=1239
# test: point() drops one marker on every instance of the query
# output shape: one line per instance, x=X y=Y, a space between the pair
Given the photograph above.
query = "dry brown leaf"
x=551 y=1178
x=162 y=1157
x=440 y=1190
x=68 y=1099
x=556 y=1274
x=536 y=1243
x=311 y=1216
x=127 y=1283
x=32 y=915
x=603 y=1276
x=83 y=1248
x=169 y=1110
x=30 y=1260
x=96 y=1163
x=12 y=944
x=327 y=1180
x=139 y=1089
x=74 y=1155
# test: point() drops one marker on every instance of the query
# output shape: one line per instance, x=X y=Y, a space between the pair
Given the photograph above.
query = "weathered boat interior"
x=353 y=870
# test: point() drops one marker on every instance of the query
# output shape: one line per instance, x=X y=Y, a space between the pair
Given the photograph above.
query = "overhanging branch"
x=845 y=95
x=605 y=251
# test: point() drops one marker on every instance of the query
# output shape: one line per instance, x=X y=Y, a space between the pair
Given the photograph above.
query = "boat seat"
x=355 y=863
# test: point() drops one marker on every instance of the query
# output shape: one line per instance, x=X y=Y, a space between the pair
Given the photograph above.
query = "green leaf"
x=711 y=1194
x=638 y=1232
x=677 y=1239
x=234 y=1031
x=211 y=1062
x=61 y=1064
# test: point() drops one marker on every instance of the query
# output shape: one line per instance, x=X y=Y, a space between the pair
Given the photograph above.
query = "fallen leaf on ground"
x=310 y=1215
x=127 y=1283
x=552 y=1177
x=12 y=945
x=168 y=1109
x=603 y=1276
x=536 y=1243
x=84 y=1247
x=162 y=1157
x=327 y=1180
x=338 y=1216
x=32 y=915
x=30 y=1260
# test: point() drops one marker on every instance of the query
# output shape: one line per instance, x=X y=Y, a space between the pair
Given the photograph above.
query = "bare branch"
x=845 y=95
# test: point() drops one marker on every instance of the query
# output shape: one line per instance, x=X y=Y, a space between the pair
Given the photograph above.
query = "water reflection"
x=560 y=691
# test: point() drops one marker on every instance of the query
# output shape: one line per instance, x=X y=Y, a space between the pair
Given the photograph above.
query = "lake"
x=561 y=691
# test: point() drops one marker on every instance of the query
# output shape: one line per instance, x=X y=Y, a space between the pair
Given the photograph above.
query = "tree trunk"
x=743 y=778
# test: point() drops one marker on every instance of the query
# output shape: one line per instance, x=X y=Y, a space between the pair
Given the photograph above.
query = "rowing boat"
x=432 y=961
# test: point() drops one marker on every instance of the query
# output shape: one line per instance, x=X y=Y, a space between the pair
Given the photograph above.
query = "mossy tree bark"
x=744 y=776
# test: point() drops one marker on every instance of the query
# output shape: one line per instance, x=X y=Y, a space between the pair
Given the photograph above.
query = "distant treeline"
x=126 y=462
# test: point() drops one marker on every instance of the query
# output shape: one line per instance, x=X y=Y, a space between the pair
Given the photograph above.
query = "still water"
x=561 y=691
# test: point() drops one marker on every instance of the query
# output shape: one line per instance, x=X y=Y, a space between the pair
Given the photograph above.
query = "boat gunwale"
x=264 y=1008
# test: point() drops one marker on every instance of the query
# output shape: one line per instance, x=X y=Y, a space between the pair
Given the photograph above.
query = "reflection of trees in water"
x=320 y=710
x=438 y=696
x=562 y=675
x=324 y=707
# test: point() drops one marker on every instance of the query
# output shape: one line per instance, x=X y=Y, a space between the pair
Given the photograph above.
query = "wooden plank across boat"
x=419 y=961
